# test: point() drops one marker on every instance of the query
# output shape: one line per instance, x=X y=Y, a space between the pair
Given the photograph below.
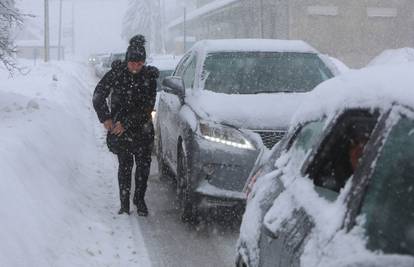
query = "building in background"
x=353 y=31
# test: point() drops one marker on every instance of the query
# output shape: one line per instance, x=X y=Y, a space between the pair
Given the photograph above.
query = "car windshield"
x=263 y=72
x=389 y=202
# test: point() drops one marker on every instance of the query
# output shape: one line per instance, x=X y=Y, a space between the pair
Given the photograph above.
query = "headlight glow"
x=224 y=135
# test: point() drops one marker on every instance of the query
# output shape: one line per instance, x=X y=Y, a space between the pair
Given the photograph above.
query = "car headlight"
x=224 y=135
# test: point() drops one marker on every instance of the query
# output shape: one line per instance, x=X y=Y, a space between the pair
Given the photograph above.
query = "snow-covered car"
x=394 y=56
x=225 y=100
x=166 y=65
x=338 y=189
x=102 y=68
x=95 y=59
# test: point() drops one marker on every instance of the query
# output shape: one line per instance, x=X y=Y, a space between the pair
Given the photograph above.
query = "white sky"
x=97 y=23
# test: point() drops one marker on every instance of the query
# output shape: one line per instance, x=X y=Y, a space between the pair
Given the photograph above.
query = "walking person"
x=124 y=100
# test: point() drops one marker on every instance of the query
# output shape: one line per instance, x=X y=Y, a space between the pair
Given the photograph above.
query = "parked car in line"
x=225 y=100
x=338 y=189
x=166 y=64
x=102 y=68
x=95 y=59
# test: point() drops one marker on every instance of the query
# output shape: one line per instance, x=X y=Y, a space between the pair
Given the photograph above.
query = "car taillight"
x=252 y=182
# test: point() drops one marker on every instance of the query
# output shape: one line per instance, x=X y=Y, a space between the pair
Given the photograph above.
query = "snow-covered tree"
x=144 y=17
x=9 y=17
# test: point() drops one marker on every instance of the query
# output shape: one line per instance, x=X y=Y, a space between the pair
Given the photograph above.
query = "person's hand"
x=108 y=125
x=118 y=129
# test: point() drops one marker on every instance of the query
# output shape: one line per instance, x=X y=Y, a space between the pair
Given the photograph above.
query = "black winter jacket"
x=127 y=98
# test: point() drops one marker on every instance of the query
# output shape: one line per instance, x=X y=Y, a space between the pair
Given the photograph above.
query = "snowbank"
x=52 y=198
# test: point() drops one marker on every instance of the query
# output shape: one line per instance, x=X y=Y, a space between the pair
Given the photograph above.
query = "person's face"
x=135 y=67
x=356 y=150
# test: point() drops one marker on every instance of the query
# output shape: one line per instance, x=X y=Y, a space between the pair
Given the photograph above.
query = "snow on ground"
x=58 y=199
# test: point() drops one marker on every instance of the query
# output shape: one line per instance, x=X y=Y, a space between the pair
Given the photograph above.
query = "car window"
x=339 y=153
x=388 y=205
x=181 y=66
x=189 y=73
x=304 y=141
x=263 y=72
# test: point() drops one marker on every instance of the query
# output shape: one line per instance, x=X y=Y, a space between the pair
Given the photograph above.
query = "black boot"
x=124 y=206
x=142 y=209
x=123 y=210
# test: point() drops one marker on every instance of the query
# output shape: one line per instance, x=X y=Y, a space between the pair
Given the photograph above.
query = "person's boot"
x=142 y=209
x=124 y=206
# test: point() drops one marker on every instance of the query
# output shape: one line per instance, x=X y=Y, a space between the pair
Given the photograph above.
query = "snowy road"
x=172 y=243
x=60 y=205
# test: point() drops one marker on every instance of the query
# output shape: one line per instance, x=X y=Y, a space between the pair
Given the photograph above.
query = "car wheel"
x=187 y=207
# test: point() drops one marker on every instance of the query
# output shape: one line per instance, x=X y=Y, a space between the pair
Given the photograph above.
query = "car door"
x=174 y=124
x=278 y=249
x=328 y=167
x=168 y=103
x=383 y=191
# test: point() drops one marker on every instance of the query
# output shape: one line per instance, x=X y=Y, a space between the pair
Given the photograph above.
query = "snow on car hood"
x=261 y=111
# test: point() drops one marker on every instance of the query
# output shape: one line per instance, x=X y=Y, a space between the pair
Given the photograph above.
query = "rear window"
x=263 y=72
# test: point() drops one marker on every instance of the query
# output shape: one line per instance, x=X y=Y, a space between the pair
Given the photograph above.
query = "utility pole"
x=60 y=32
x=46 y=48
x=73 y=28
x=164 y=31
x=261 y=19
x=185 y=30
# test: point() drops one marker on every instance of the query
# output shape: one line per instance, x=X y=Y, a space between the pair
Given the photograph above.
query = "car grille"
x=270 y=137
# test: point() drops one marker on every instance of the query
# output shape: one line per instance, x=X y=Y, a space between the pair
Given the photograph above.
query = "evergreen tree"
x=144 y=17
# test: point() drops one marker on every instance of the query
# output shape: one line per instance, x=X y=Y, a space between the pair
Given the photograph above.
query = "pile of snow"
x=394 y=56
x=58 y=195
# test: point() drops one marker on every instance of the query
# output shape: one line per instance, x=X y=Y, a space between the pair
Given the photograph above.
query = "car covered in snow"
x=338 y=190
x=166 y=65
x=226 y=100
x=106 y=62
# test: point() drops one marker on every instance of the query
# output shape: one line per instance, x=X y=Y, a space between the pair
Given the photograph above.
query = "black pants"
x=126 y=162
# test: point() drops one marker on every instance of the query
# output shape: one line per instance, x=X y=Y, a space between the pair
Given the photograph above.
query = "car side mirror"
x=174 y=85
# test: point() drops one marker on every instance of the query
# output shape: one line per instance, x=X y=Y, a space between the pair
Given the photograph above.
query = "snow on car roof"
x=263 y=45
x=394 y=56
x=371 y=87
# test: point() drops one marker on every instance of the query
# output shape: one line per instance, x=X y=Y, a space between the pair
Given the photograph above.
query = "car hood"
x=254 y=111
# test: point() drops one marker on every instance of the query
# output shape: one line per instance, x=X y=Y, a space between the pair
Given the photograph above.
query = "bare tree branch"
x=9 y=17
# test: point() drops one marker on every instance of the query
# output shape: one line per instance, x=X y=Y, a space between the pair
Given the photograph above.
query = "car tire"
x=188 y=209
